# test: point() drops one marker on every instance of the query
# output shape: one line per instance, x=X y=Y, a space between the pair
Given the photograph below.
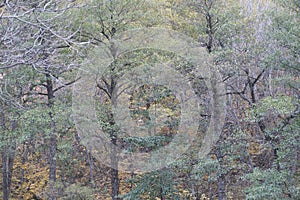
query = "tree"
x=282 y=111
x=11 y=106
x=255 y=47
x=35 y=36
x=107 y=19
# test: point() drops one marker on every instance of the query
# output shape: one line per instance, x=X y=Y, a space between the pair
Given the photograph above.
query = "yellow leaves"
x=125 y=186
x=29 y=178
x=36 y=180
x=213 y=156
x=254 y=148
x=206 y=176
x=186 y=194
x=27 y=196
x=184 y=191
x=25 y=166
x=203 y=197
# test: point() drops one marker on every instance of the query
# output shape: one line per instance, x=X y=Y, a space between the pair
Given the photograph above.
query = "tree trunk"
x=8 y=155
x=221 y=187
x=114 y=168
x=91 y=167
x=221 y=182
x=52 y=152
x=161 y=194
x=24 y=160
x=52 y=142
x=109 y=90
x=7 y=170
x=5 y=180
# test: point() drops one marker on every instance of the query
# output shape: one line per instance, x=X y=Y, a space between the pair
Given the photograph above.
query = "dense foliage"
x=254 y=45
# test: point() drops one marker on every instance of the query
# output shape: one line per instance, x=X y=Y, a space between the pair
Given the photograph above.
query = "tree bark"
x=8 y=155
x=52 y=142
x=115 y=183
x=24 y=160
x=109 y=89
x=91 y=167
x=221 y=181
x=7 y=170
x=221 y=187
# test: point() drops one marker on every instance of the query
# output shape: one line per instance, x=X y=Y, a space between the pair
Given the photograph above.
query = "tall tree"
x=35 y=34
x=12 y=92
x=282 y=111
x=108 y=18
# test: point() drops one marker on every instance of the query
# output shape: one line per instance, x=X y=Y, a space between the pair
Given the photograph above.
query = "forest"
x=150 y=99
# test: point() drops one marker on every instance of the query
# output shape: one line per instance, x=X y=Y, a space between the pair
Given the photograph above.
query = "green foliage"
x=286 y=30
x=78 y=192
x=206 y=167
x=154 y=185
x=271 y=184
x=266 y=184
x=281 y=181
x=145 y=143
x=279 y=106
x=99 y=20
x=247 y=39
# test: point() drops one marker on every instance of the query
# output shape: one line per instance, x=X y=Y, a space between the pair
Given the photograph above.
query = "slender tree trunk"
x=91 y=167
x=52 y=142
x=209 y=25
x=5 y=176
x=221 y=187
x=115 y=182
x=209 y=45
x=161 y=194
x=209 y=31
x=114 y=174
x=221 y=181
x=4 y=163
x=114 y=168
x=7 y=170
x=52 y=152
x=210 y=194
x=24 y=160
x=8 y=155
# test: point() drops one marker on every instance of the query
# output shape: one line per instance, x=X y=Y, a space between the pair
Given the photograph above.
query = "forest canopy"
x=149 y=99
